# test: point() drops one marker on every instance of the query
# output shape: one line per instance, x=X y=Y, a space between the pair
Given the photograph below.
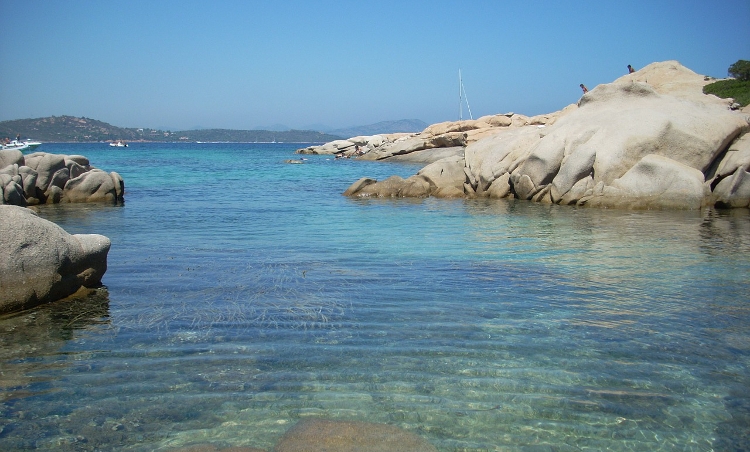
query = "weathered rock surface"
x=649 y=140
x=41 y=263
x=41 y=178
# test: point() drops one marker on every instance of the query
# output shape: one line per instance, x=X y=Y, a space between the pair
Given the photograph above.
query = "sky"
x=178 y=65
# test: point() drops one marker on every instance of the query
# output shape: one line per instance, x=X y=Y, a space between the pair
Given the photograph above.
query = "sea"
x=244 y=294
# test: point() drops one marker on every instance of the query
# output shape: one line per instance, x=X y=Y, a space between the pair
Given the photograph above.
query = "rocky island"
x=649 y=140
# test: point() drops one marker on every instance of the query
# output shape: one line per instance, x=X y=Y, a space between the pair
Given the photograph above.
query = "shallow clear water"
x=244 y=294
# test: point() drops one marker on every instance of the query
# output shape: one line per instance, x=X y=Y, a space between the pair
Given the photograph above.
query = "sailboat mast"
x=461 y=97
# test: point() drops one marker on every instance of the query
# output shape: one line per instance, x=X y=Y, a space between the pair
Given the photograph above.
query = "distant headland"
x=86 y=130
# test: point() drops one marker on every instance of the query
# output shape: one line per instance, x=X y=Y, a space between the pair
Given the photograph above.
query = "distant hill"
x=403 y=125
x=73 y=129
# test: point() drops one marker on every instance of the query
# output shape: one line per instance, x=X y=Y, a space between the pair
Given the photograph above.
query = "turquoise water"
x=244 y=294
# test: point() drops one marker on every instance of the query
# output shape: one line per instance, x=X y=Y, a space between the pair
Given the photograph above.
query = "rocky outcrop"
x=428 y=146
x=40 y=262
x=650 y=139
x=41 y=178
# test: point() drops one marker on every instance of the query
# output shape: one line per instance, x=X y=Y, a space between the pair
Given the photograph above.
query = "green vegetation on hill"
x=73 y=129
x=739 y=90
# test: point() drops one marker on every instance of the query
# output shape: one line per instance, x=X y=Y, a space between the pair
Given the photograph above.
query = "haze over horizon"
x=244 y=64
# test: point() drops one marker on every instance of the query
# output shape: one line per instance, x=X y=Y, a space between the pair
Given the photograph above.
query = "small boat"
x=15 y=144
x=32 y=144
x=118 y=144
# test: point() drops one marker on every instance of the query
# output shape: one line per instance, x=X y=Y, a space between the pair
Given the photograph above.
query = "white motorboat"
x=17 y=145
x=32 y=144
x=118 y=144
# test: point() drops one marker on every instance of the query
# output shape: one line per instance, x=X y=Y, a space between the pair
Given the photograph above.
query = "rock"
x=655 y=182
x=733 y=191
x=443 y=178
x=407 y=146
x=358 y=186
x=41 y=263
x=390 y=187
x=75 y=169
x=614 y=128
x=446 y=177
x=78 y=159
x=11 y=191
x=93 y=186
x=46 y=168
x=448 y=140
x=429 y=155
x=497 y=120
x=674 y=79
x=214 y=448
x=413 y=187
x=60 y=178
x=576 y=192
x=319 y=435
x=32 y=160
x=53 y=195
x=500 y=187
x=737 y=156
x=497 y=155
x=29 y=177
x=119 y=185
x=10 y=157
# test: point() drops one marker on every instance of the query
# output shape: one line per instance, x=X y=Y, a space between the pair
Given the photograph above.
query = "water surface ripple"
x=244 y=294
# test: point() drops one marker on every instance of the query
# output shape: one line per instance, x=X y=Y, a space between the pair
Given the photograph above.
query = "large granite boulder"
x=442 y=179
x=41 y=263
x=92 y=186
x=495 y=156
x=650 y=139
x=11 y=190
x=42 y=178
x=655 y=182
x=616 y=126
x=10 y=157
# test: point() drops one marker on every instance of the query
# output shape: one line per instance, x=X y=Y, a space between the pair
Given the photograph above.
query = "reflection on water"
x=30 y=338
x=477 y=325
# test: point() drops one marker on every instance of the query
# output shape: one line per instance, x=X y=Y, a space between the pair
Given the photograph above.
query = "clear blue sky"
x=247 y=64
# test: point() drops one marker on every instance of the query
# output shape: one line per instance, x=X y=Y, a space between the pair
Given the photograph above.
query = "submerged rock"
x=319 y=435
x=213 y=448
x=41 y=263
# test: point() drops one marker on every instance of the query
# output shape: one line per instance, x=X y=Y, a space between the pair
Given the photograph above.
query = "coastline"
x=649 y=140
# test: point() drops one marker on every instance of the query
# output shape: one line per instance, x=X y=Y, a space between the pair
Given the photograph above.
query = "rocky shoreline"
x=649 y=140
x=39 y=261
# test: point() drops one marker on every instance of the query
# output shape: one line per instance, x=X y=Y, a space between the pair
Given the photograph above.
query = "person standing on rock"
x=630 y=69
x=583 y=87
